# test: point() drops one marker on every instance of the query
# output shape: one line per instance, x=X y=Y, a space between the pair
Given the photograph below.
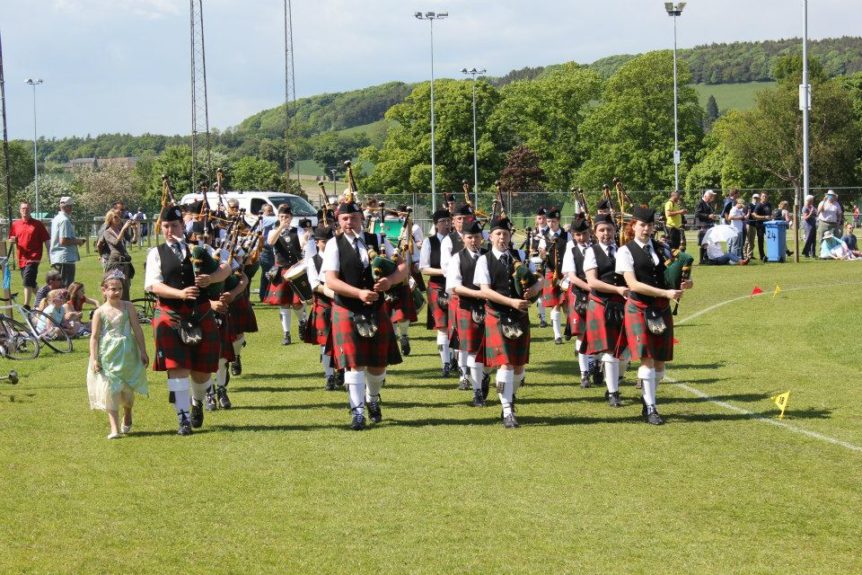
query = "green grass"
x=731 y=96
x=280 y=485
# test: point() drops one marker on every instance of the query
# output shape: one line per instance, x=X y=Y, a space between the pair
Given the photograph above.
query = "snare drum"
x=297 y=275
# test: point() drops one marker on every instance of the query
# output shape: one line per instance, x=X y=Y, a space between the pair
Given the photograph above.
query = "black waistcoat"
x=354 y=273
x=605 y=270
x=318 y=263
x=287 y=250
x=176 y=274
x=434 y=262
x=646 y=271
x=457 y=242
x=501 y=280
x=579 y=263
x=468 y=269
x=556 y=252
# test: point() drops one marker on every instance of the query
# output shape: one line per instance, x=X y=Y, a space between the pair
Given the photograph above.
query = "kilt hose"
x=600 y=335
x=577 y=322
x=351 y=350
x=438 y=318
x=405 y=309
x=471 y=335
x=281 y=292
x=551 y=296
x=172 y=353
x=226 y=335
x=317 y=327
x=242 y=318
x=643 y=343
x=452 y=321
x=500 y=351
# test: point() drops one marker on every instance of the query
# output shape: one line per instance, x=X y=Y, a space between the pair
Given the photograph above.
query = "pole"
x=433 y=163
x=675 y=120
x=35 y=150
x=8 y=176
x=475 y=160
x=805 y=104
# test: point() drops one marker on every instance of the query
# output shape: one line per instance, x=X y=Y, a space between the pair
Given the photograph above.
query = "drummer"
x=287 y=250
x=430 y=265
x=494 y=276
x=648 y=318
x=318 y=329
x=553 y=243
x=362 y=335
x=451 y=245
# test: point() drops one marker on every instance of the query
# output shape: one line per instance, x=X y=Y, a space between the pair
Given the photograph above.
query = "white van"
x=253 y=202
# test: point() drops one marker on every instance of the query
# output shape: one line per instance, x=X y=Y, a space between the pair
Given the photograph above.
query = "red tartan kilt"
x=320 y=319
x=551 y=296
x=350 y=350
x=470 y=334
x=242 y=318
x=452 y=321
x=437 y=318
x=171 y=353
x=282 y=294
x=599 y=336
x=227 y=335
x=641 y=342
x=500 y=351
x=577 y=322
x=406 y=307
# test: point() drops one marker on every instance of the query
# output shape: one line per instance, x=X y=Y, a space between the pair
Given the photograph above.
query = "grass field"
x=731 y=96
x=280 y=484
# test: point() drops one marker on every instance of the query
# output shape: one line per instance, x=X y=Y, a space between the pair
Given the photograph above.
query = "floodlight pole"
x=674 y=10
x=474 y=72
x=431 y=16
x=35 y=83
x=805 y=106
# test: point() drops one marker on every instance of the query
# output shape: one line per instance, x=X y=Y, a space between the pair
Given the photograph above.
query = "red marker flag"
x=756 y=291
x=675 y=341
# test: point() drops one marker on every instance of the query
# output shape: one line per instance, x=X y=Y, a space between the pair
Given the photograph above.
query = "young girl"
x=118 y=356
x=74 y=309
x=54 y=308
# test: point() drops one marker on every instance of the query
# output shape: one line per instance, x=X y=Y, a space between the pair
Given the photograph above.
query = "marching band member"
x=471 y=307
x=540 y=230
x=317 y=330
x=505 y=314
x=181 y=303
x=648 y=318
x=573 y=267
x=285 y=245
x=418 y=283
x=554 y=244
x=604 y=325
x=362 y=335
x=430 y=265
x=451 y=245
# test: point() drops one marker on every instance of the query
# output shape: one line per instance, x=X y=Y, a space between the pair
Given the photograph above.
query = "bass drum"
x=297 y=275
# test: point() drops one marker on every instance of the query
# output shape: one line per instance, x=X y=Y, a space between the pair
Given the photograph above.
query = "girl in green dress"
x=118 y=356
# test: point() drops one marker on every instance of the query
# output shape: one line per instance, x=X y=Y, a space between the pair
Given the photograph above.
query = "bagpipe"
x=522 y=277
x=677 y=270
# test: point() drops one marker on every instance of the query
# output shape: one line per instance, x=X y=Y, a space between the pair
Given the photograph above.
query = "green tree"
x=330 y=149
x=630 y=132
x=20 y=172
x=256 y=174
x=95 y=190
x=51 y=189
x=711 y=113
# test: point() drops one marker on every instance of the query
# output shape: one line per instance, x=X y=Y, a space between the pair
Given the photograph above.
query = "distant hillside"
x=731 y=96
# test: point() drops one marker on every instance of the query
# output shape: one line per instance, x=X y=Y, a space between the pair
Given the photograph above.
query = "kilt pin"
x=600 y=335
x=172 y=353
x=641 y=342
x=350 y=350
x=499 y=350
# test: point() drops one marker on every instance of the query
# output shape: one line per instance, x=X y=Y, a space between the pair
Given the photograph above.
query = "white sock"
x=541 y=307
x=584 y=362
x=327 y=363
x=555 y=321
x=179 y=386
x=373 y=383
x=199 y=390
x=404 y=328
x=476 y=372
x=624 y=366
x=519 y=381
x=221 y=373
x=237 y=344
x=463 y=359
x=659 y=375
x=443 y=346
x=505 y=377
x=355 y=382
x=647 y=375
x=302 y=314
x=612 y=372
x=285 y=319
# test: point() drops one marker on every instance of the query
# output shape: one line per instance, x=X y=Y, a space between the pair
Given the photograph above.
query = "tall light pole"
x=674 y=10
x=431 y=16
x=805 y=106
x=35 y=83
x=474 y=73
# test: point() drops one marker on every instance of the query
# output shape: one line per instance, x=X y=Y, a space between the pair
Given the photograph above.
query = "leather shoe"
x=558 y=341
x=509 y=421
x=405 y=346
x=374 y=411
x=585 y=380
x=478 y=400
x=464 y=383
x=358 y=422
x=185 y=426
x=236 y=366
x=286 y=339
x=223 y=399
x=331 y=384
x=486 y=385
x=613 y=399
x=210 y=401
x=197 y=414
x=653 y=418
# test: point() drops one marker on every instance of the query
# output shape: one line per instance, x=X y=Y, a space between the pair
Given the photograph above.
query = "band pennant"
x=781 y=401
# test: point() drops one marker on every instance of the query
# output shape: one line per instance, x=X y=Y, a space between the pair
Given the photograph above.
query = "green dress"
x=122 y=370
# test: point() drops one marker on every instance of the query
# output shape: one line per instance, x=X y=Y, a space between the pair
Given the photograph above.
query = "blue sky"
x=123 y=65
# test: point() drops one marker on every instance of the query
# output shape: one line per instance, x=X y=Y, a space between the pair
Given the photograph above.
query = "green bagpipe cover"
x=524 y=279
x=204 y=263
x=678 y=268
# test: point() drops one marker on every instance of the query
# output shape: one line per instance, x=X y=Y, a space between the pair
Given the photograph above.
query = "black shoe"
x=652 y=417
x=339 y=378
x=223 y=399
x=27 y=307
x=331 y=383
x=236 y=366
x=286 y=339
x=445 y=371
x=558 y=341
x=486 y=385
x=478 y=400
x=453 y=366
x=374 y=411
x=210 y=401
x=185 y=425
x=543 y=323
x=613 y=399
x=197 y=414
x=509 y=421
x=464 y=383
x=358 y=423
x=585 y=380
x=597 y=374
x=405 y=346
x=643 y=408
x=301 y=328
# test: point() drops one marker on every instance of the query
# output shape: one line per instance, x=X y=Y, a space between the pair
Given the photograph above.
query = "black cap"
x=474 y=228
x=553 y=214
x=541 y=212
x=402 y=208
x=441 y=214
x=603 y=219
x=644 y=214
x=464 y=210
x=580 y=224
x=197 y=227
x=322 y=233
x=449 y=197
x=501 y=224
x=171 y=214
x=194 y=207
x=348 y=208
x=604 y=205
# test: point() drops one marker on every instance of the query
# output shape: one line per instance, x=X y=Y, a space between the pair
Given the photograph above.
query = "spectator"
x=29 y=235
x=63 y=250
x=833 y=248
x=829 y=215
x=141 y=221
x=716 y=257
x=54 y=308
x=118 y=257
x=705 y=217
x=673 y=214
x=855 y=215
x=729 y=203
x=74 y=309
x=53 y=280
x=751 y=227
x=849 y=238
x=736 y=217
x=762 y=213
x=809 y=224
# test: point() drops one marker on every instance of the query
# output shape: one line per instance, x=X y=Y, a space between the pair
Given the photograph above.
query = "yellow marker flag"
x=781 y=401
x=777 y=291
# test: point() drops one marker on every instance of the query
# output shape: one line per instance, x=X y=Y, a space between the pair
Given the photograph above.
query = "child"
x=53 y=307
x=74 y=309
x=118 y=356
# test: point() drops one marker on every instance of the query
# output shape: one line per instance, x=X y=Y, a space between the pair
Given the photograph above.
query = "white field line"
x=751 y=414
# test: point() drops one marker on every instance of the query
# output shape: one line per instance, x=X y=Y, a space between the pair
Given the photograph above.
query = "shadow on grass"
x=286 y=388
x=711 y=417
x=166 y=432
x=714 y=365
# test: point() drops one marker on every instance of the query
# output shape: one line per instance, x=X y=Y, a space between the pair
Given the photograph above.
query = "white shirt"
x=331 y=262
x=153 y=268
x=453 y=273
x=625 y=261
x=590 y=256
x=425 y=253
x=446 y=250
x=736 y=211
x=569 y=258
x=314 y=278
x=544 y=240
x=418 y=239
x=482 y=276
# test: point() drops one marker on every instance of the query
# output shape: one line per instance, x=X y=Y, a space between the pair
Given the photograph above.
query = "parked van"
x=253 y=202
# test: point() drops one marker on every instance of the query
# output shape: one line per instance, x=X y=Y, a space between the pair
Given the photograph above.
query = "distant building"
x=96 y=163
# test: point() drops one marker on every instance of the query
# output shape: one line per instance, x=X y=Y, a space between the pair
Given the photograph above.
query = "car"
x=254 y=200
